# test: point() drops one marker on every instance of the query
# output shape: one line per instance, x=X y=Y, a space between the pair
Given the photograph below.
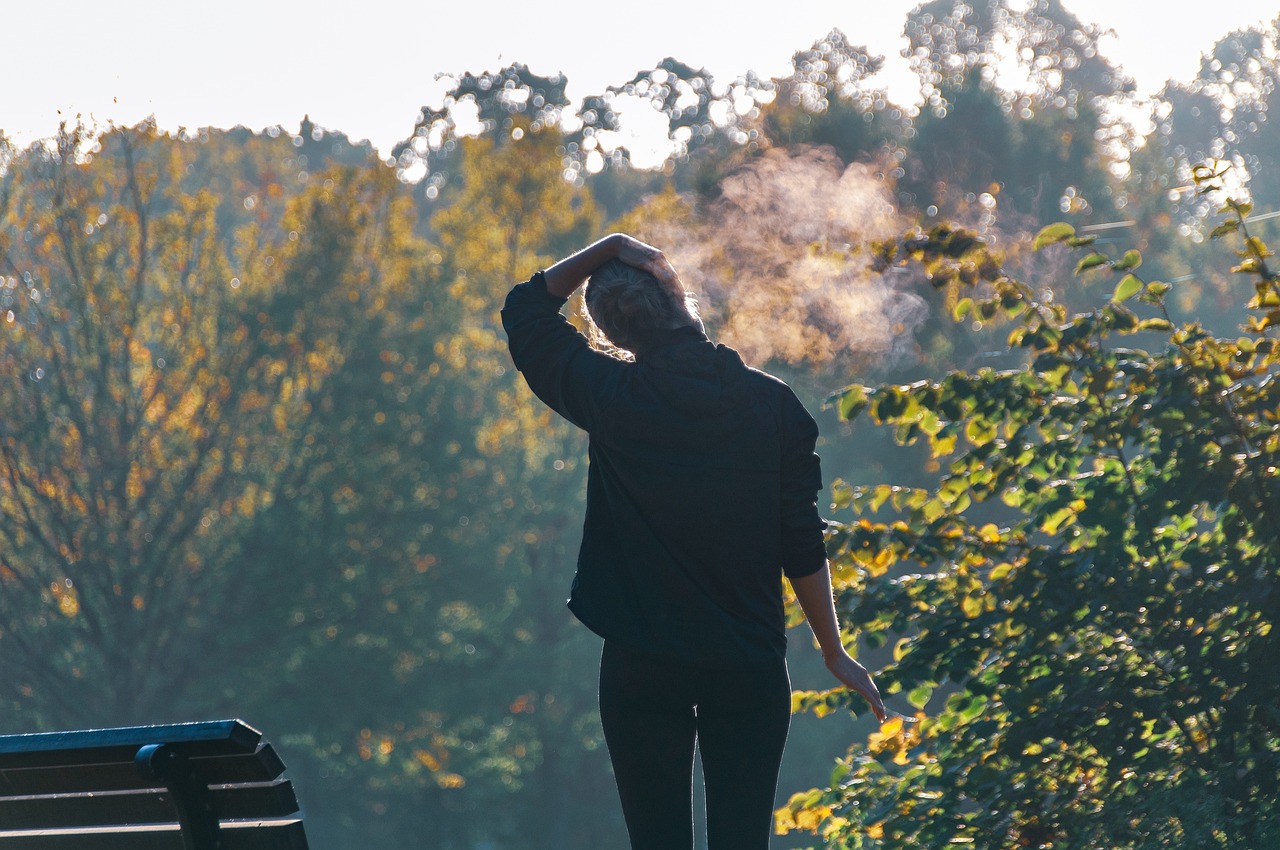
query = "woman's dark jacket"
x=701 y=493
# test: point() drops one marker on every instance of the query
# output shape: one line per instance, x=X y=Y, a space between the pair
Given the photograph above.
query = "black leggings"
x=653 y=708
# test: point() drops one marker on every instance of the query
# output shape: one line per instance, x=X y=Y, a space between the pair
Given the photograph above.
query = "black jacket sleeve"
x=558 y=363
x=803 y=549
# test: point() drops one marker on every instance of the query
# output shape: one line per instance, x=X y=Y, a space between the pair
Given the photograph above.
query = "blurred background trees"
x=262 y=451
x=156 y=360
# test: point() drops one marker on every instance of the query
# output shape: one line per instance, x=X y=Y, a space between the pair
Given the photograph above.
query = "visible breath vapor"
x=779 y=262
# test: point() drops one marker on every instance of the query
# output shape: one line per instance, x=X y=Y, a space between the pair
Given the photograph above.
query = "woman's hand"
x=813 y=592
x=644 y=256
x=568 y=274
x=853 y=675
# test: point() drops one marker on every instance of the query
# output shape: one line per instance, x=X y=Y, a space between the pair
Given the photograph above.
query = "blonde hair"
x=627 y=306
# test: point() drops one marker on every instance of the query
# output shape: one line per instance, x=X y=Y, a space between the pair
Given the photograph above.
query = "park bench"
x=186 y=786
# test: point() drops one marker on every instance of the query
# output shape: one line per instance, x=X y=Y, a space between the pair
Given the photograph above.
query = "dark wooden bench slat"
x=263 y=765
x=55 y=749
x=243 y=835
x=146 y=788
x=48 y=811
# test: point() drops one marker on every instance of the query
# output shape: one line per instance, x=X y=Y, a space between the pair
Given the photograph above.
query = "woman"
x=701 y=494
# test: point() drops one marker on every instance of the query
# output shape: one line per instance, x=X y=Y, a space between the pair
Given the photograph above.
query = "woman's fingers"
x=662 y=269
x=872 y=696
x=642 y=255
x=633 y=252
x=855 y=676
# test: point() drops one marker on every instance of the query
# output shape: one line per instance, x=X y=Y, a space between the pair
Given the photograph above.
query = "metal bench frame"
x=195 y=786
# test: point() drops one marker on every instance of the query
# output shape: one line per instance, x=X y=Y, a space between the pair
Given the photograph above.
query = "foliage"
x=494 y=100
x=1223 y=112
x=1059 y=56
x=1017 y=106
x=145 y=427
x=827 y=100
x=1219 y=115
x=465 y=714
x=277 y=408
x=982 y=150
x=1084 y=605
x=391 y=520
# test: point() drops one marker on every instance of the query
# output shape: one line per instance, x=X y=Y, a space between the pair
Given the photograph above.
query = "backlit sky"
x=366 y=67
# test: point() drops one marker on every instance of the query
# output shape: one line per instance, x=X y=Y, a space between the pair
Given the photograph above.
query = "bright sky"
x=365 y=68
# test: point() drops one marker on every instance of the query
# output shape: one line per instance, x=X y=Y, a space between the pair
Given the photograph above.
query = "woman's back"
x=701 y=493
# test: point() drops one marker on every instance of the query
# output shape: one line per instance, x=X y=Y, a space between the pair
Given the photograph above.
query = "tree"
x=1027 y=137
x=681 y=94
x=1084 y=605
x=1057 y=54
x=493 y=100
x=444 y=502
x=149 y=426
x=524 y=486
x=1223 y=112
x=826 y=101
x=1219 y=115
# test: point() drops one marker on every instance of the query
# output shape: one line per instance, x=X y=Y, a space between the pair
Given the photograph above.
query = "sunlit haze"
x=365 y=69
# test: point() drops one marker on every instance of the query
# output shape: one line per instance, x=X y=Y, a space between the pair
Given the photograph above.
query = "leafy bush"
x=1086 y=600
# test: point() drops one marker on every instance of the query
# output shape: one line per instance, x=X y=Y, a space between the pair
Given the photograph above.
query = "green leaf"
x=1258 y=247
x=900 y=648
x=972 y=707
x=880 y=495
x=839 y=772
x=979 y=431
x=1053 y=234
x=889 y=404
x=1231 y=225
x=1128 y=287
x=852 y=401
x=1056 y=520
x=1131 y=260
x=1091 y=262
x=962 y=309
x=1120 y=317
x=919 y=696
x=1056 y=374
x=1263 y=300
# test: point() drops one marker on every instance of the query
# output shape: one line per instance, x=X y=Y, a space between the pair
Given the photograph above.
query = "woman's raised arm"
x=570 y=273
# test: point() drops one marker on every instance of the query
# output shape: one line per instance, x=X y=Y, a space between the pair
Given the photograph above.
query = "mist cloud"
x=779 y=261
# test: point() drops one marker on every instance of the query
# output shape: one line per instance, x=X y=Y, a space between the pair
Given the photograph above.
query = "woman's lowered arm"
x=813 y=592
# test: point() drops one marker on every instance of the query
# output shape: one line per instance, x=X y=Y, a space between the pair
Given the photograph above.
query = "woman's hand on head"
x=853 y=675
x=644 y=256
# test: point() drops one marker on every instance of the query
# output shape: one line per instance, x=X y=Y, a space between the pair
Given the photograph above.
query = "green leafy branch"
x=1073 y=604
